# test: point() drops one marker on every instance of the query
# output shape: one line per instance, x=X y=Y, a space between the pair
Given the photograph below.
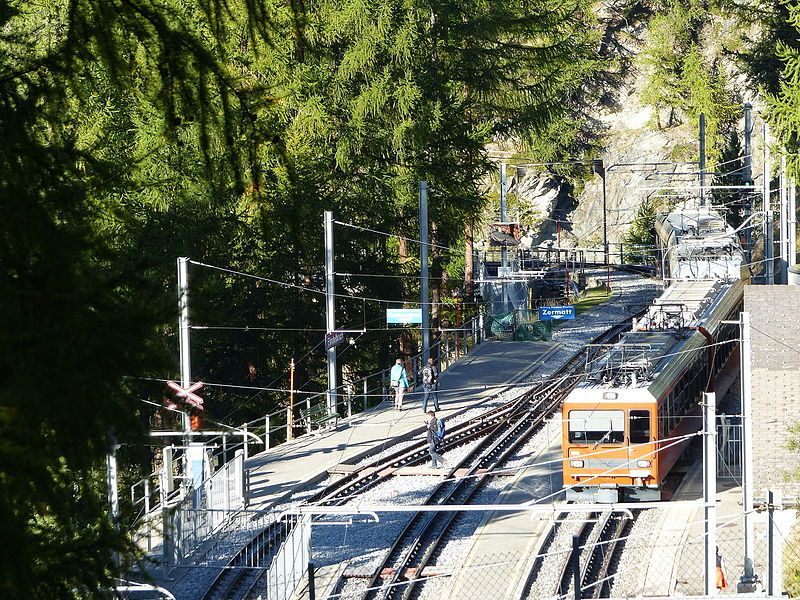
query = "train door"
x=641 y=449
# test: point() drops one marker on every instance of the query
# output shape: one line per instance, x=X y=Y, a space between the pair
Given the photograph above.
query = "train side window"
x=640 y=426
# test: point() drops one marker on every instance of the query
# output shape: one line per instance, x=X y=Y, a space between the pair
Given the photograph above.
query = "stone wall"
x=775 y=334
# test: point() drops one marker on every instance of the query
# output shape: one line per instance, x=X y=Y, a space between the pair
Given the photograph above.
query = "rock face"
x=640 y=160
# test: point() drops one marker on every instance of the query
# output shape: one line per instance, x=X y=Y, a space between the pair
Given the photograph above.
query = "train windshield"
x=596 y=426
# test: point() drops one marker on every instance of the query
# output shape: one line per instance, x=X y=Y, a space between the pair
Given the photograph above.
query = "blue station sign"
x=556 y=313
x=403 y=316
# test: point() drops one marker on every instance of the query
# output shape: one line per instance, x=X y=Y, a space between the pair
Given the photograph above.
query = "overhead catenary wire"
x=320 y=292
x=394 y=235
x=479 y=388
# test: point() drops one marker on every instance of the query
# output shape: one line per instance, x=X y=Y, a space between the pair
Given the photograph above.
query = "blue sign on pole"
x=402 y=316
x=556 y=313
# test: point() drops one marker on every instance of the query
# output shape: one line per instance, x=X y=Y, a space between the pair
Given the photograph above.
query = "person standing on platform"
x=430 y=385
x=434 y=441
x=398 y=379
x=722 y=579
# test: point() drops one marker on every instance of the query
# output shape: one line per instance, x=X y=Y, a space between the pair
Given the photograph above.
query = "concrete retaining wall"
x=775 y=319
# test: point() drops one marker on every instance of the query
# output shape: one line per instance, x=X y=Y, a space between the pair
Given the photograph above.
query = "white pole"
x=769 y=272
x=330 y=311
x=184 y=350
x=113 y=493
x=783 y=275
x=747 y=583
x=710 y=491
x=184 y=347
x=792 y=223
x=423 y=262
x=503 y=217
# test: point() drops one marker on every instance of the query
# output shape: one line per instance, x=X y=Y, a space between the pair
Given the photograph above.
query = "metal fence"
x=648 y=566
x=289 y=568
x=729 y=448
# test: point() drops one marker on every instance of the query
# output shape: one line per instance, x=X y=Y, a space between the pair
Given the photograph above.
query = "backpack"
x=440 y=428
x=427 y=375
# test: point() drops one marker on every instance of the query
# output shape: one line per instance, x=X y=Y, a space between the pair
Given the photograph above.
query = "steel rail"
x=595 y=573
x=424 y=532
x=374 y=473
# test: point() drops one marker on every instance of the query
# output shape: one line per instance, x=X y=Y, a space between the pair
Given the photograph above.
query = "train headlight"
x=576 y=464
x=642 y=464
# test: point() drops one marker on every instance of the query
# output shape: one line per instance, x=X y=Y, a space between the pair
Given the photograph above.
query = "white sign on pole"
x=403 y=316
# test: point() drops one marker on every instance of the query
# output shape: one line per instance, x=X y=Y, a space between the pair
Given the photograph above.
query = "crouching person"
x=435 y=440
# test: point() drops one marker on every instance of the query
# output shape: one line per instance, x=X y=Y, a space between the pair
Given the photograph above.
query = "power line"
x=250 y=328
x=463 y=389
x=316 y=291
x=259 y=277
x=394 y=235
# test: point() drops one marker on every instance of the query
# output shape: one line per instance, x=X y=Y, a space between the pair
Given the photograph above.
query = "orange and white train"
x=630 y=419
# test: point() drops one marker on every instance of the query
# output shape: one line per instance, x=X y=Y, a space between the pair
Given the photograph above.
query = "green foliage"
x=670 y=37
x=682 y=80
x=782 y=114
x=642 y=232
x=762 y=31
x=138 y=131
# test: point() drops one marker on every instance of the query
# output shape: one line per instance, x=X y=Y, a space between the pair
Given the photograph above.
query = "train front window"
x=640 y=426
x=596 y=426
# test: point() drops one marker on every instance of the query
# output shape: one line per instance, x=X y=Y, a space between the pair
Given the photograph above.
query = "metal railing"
x=155 y=493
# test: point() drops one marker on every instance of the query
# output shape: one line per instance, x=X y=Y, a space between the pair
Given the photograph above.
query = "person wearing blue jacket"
x=398 y=379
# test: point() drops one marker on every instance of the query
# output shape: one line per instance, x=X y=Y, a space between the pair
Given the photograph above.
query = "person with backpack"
x=398 y=380
x=430 y=385
x=435 y=437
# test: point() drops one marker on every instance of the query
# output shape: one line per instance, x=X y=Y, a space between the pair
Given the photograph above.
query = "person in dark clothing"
x=437 y=460
x=430 y=385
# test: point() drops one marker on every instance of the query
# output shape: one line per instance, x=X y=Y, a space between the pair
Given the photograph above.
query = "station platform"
x=274 y=475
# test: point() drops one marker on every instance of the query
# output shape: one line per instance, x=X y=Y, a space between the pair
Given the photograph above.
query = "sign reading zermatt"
x=556 y=313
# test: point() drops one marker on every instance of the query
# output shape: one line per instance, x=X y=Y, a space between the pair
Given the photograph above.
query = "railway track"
x=514 y=421
x=601 y=538
x=426 y=532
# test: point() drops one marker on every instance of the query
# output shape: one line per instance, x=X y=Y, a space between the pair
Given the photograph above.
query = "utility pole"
x=710 y=490
x=184 y=348
x=423 y=261
x=783 y=245
x=113 y=494
x=747 y=582
x=503 y=252
x=747 y=179
x=774 y=545
x=600 y=168
x=290 y=409
x=702 y=159
x=792 y=223
x=330 y=311
x=769 y=266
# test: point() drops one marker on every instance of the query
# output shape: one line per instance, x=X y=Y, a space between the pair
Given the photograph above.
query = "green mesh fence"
x=520 y=326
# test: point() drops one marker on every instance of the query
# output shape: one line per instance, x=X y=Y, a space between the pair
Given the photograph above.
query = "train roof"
x=667 y=328
x=698 y=230
x=681 y=305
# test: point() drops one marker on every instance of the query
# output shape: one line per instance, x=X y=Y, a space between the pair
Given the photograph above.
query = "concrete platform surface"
x=486 y=371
